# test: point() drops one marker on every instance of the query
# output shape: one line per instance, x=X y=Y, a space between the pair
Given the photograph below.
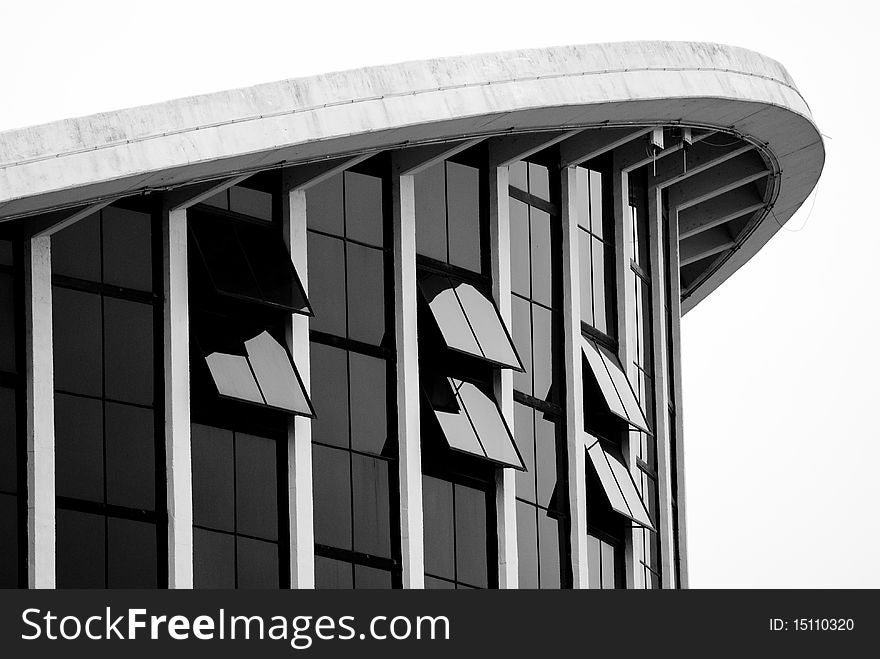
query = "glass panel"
x=430 y=193
x=596 y=223
x=256 y=490
x=213 y=559
x=257 y=563
x=272 y=268
x=471 y=558
x=524 y=431
x=546 y=467
x=7 y=323
x=634 y=502
x=634 y=413
x=223 y=257
x=219 y=200
x=127 y=248
x=582 y=197
x=366 y=294
x=603 y=379
x=463 y=204
x=332 y=492
x=330 y=573
x=447 y=311
x=609 y=566
x=79 y=556
x=278 y=382
x=6 y=252
x=248 y=201
x=457 y=428
x=489 y=424
x=542 y=265
x=548 y=531
x=213 y=478
x=128 y=351
x=539 y=181
x=519 y=175
x=594 y=562
x=233 y=377
x=599 y=460
x=79 y=448
x=329 y=377
x=8 y=541
x=521 y=326
x=76 y=333
x=131 y=554
x=371 y=578
x=520 y=274
x=369 y=383
x=600 y=307
x=363 y=208
x=542 y=362
x=76 y=250
x=484 y=319
x=324 y=207
x=527 y=544
x=8 y=441
x=131 y=460
x=327 y=284
x=586 y=282
x=372 y=524
x=439 y=527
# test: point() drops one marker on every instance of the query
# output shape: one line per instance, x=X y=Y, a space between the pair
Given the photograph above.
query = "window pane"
x=519 y=175
x=233 y=377
x=520 y=272
x=598 y=268
x=6 y=252
x=527 y=545
x=8 y=541
x=127 y=248
x=548 y=531
x=332 y=492
x=79 y=448
x=222 y=256
x=327 y=284
x=79 y=550
x=257 y=563
x=542 y=266
x=521 y=329
x=546 y=467
x=220 y=200
x=256 y=491
x=486 y=323
x=446 y=309
x=524 y=432
x=586 y=281
x=430 y=192
x=582 y=198
x=366 y=294
x=457 y=428
x=609 y=566
x=248 y=201
x=372 y=524
x=7 y=323
x=594 y=562
x=275 y=374
x=213 y=559
x=76 y=332
x=324 y=206
x=439 y=527
x=270 y=263
x=213 y=478
x=596 y=215
x=369 y=382
x=8 y=441
x=471 y=536
x=463 y=204
x=128 y=351
x=539 y=181
x=131 y=461
x=329 y=377
x=371 y=578
x=330 y=573
x=76 y=250
x=489 y=424
x=542 y=335
x=131 y=559
x=363 y=208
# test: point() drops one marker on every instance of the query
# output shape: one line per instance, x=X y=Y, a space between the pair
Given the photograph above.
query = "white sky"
x=780 y=363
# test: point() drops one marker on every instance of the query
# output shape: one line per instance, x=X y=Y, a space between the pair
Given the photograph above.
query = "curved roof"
x=708 y=86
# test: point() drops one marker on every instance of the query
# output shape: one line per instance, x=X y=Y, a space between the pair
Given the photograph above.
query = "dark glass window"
x=596 y=246
x=236 y=510
x=108 y=421
x=605 y=558
x=8 y=317
x=242 y=200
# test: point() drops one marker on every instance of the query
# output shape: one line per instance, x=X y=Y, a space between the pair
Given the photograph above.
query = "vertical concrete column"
x=574 y=385
x=408 y=396
x=299 y=437
x=40 y=414
x=178 y=458
x=661 y=382
x=505 y=479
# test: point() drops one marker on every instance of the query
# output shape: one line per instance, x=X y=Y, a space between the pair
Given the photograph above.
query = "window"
x=614 y=385
x=618 y=484
x=354 y=456
x=109 y=464
x=605 y=560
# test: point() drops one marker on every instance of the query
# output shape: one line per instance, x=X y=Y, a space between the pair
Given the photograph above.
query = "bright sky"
x=779 y=363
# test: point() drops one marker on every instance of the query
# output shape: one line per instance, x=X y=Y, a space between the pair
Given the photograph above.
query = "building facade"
x=413 y=326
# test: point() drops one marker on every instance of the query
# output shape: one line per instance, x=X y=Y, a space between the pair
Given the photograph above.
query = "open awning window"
x=248 y=262
x=257 y=370
x=619 y=486
x=472 y=423
x=469 y=321
x=615 y=386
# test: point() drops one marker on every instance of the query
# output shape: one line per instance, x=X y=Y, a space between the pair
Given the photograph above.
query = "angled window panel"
x=485 y=320
x=603 y=378
x=490 y=426
x=625 y=390
x=273 y=270
x=619 y=486
x=614 y=384
x=453 y=420
x=439 y=292
x=223 y=258
x=276 y=375
x=233 y=377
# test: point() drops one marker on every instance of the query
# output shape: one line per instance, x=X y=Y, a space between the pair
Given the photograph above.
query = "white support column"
x=661 y=384
x=408 y=393
x=40 y=414
x=574 y=385
x=178 y=459
x=505 y=478
x=299 y=437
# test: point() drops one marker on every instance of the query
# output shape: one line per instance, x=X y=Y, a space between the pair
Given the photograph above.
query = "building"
x=409 y=326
